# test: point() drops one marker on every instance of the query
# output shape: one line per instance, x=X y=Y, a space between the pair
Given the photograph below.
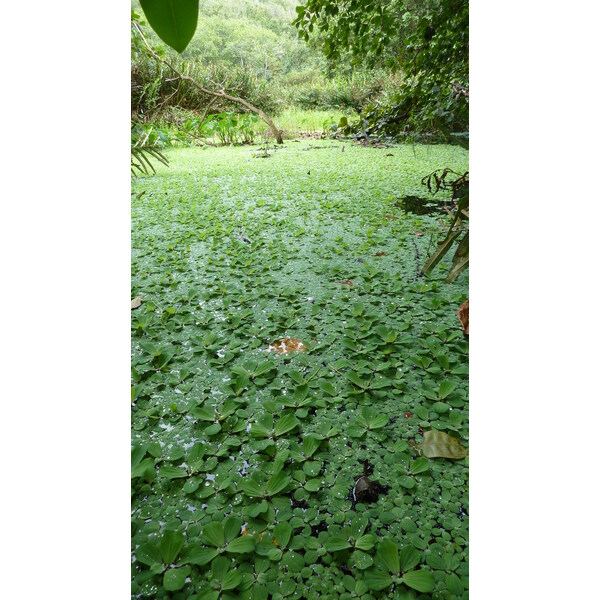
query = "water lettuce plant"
x=243 y=458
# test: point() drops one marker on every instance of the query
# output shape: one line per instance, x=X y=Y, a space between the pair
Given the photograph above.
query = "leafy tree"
x=427 y=40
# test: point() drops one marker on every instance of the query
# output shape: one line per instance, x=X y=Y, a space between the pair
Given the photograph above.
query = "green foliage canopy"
x=428 y=40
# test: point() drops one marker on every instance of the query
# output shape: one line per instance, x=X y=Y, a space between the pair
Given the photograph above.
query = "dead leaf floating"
x=463 y=316
x=136 y=302
x=287 y=345
x=438 y=444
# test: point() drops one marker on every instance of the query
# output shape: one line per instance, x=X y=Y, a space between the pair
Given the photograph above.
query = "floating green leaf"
x=446 y=388
x=241 y=545
x=422 y=580
x=282 y=533
x=377 y=580
x=148 y=554
x=174 y=579
x=337 y=543
x=388 y=552
x=286 y=424
x=213 y=534
x=197 y=554
x=171 y=472
x=231 y=580
x=409 y=558
x=170 y=546
x=420 y=465
x=277 y=483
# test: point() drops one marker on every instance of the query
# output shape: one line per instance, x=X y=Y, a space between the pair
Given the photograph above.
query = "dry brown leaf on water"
x=287 y=345
x=136 y=302
x=438 y=444
x=463 y=316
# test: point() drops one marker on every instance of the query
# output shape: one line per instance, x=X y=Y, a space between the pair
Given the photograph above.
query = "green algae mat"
x=299 y=392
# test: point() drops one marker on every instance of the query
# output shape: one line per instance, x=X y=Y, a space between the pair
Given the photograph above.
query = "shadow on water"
x=422 y=206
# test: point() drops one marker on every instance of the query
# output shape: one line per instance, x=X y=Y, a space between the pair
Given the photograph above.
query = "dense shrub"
x=153 y=87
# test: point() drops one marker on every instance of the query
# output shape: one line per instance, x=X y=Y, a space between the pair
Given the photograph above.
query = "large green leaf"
x=170 y=546
x=282 y=533
x=173 y=20
x=263 y=368
x=454 y=584
x=357 y=381
x=285 y=424
x=327 y=388
x=388 y=552
x=213 y=534
x=313 y=485
x=293 y=562
x=249 y=487
x=241 y=545
x=377 y=580
x=446 y=388
x=137 y=453
x=278 y=483
x=310 y=443
x=259 y=430
x=337 y=543
x=174 y=579
x=197 y=554
x=377 y=421
x=231 y=580
x=220 y=567
x=232 y=527
x=312 y=468
x=145 y=469
x=148 y=554
x=421 y=580
x=361 y=560
x=365 y=542
x=420 y=465
x=409 y=558
x=171 y=472
x=357 y=527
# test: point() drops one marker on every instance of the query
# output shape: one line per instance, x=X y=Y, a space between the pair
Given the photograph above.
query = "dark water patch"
x=422 y=206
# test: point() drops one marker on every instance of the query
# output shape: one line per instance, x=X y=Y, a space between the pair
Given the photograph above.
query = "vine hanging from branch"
x=277 y=133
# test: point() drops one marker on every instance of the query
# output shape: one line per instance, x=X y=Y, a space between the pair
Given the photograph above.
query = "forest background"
x=398 y=70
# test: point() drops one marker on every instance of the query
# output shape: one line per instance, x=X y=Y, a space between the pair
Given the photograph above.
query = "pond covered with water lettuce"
x=244 y=460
